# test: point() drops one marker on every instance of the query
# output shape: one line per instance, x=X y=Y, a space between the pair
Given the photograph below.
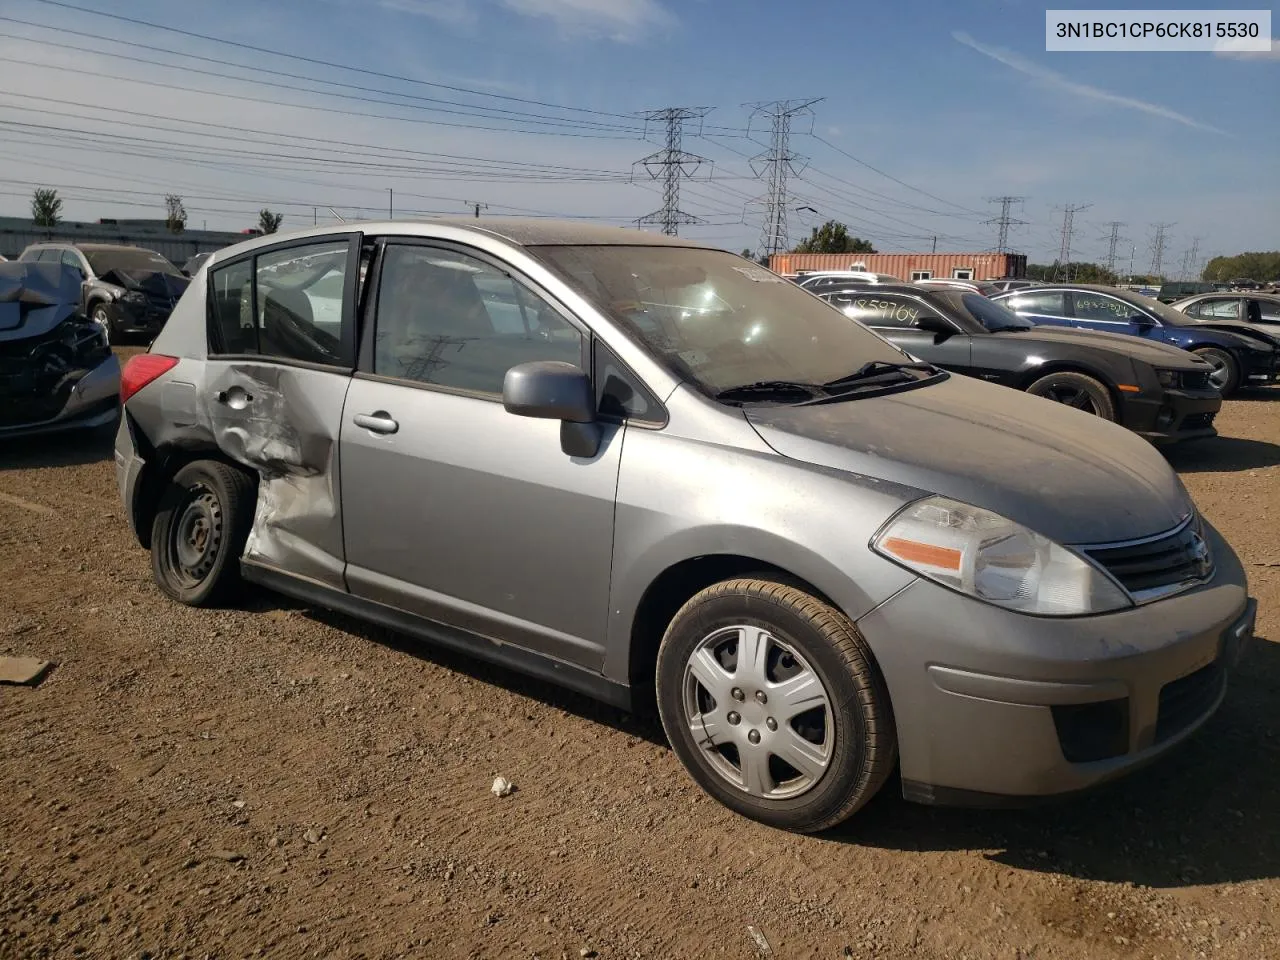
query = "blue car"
x=1241 y=355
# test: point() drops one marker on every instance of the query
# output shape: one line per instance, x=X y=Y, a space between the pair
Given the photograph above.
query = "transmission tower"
x=775 y=166
x=1005 y=220
x=1113 y=241
x=1068 y=230
x=1158 y=242
x=670 y=165
x=1190 y=260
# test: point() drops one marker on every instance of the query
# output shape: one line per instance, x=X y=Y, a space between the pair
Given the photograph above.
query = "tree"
x=1263 y=267
x=1075 y=272
x=176 y=214
x=46 y=208
x=269 y=222
x=833 y=237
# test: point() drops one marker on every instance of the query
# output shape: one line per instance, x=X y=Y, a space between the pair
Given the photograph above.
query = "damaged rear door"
x=281 y=354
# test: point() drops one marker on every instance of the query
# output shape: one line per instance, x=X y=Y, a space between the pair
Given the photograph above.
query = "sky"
x=923 y=111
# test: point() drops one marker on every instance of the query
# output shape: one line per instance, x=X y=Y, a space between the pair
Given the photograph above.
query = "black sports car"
x=1158 y=391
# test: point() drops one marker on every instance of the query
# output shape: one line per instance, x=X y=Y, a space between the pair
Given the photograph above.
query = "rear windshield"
x=131 y=261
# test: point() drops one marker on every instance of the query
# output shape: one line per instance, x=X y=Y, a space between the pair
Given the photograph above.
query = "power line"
x=889 y=176
x=671 y=164
x=1005 y=221
x=775 y=166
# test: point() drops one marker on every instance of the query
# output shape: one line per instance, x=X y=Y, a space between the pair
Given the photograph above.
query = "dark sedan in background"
x=1159 y=392
x=1240 y=355
x=128 y=291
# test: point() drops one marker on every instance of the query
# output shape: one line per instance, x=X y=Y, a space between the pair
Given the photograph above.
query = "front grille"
x=1092 y=731
x=1197 y=421
x=1186 y=700
x=1176 y=558
x=1196 y=380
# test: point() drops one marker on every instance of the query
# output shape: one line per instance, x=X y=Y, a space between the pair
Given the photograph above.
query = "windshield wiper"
x=883 y=371
x=772 y=388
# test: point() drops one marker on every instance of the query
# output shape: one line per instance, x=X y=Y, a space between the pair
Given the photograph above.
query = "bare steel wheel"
x=759 y=712
x=199 y=532
x=774 y=704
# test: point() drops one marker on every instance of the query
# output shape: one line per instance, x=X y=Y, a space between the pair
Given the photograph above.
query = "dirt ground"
x=282 y=782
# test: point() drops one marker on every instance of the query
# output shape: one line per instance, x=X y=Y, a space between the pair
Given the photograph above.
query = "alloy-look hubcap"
x=759 y=712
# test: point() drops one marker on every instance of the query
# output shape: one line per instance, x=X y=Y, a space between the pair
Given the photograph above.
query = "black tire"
x=1222 y=360
x=863 y=751
x=98 y=314
x=199 y=532
x=1076 y=390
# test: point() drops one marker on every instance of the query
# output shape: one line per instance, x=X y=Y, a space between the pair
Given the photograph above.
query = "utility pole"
x=1157 y=248
x=935 y=244
x=775 y=166
x=476 y=206
x=1068 y=229
x=391 y=204
x=1005 y=221
x=671 y=164
x=1113 y=240
x=1190 y=260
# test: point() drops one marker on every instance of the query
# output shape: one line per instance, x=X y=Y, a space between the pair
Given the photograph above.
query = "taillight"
x=141 y=370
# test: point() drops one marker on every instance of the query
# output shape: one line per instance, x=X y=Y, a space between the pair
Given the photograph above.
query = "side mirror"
x=1141 y=321
x=552 y=390
x=935 y=325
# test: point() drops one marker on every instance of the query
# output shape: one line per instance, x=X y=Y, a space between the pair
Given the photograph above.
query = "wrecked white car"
x=57 y=371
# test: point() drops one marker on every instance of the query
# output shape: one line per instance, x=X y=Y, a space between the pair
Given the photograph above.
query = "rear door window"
x=1098 y=306
x=293 y=304
x=1225 y=309
x=1046 y=304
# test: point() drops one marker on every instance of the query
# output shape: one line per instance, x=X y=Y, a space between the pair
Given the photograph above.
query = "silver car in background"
x=642 y=468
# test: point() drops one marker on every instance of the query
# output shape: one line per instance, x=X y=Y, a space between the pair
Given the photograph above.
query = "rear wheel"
x=199 y=532
x=1076 y=390
x=774 y=704
x=1225 y=375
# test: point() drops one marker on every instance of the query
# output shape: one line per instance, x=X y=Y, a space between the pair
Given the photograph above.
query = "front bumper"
x=137 y=318
x=991 y=703
x=1260 y=370
x=1171 y=415
x=92 y=402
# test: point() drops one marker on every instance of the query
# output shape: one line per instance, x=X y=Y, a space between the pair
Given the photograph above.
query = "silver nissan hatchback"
x=643 y=468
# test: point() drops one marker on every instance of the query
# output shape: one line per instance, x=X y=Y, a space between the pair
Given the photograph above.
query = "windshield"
x=717 y=320
x=994 y=316
x=1166 y=313
x=133 y=260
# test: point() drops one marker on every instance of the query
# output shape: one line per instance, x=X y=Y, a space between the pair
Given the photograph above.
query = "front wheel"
x=1076 y=390
x=1225 y=375
x=774 y=704
x=199 y=532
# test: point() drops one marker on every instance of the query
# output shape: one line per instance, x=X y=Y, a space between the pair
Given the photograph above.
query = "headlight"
x=133 y=296
x=995 y=560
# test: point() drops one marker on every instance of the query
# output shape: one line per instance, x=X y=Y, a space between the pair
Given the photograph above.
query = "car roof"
x=856 y=287
x=93 y=247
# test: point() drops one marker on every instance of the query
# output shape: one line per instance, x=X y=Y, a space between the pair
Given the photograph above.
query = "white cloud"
x=620 y=20
x=454 y=12
x=1056 y=80
x=1231 y=49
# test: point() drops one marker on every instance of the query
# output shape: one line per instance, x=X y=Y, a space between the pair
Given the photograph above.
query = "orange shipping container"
x=906 y=266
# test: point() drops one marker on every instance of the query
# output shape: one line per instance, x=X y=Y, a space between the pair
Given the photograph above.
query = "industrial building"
x=907 y=266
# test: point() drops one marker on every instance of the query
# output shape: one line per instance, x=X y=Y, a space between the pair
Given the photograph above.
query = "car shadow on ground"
x=1222 y=454
x=71 y=448
x=642 y=723
x=1257 y=393
x=1203 y=814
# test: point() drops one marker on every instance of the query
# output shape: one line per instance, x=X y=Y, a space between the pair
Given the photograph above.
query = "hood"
x=1148 y=351
x=35 y=298
x=151 y=282
x=1247 y=330
x=1063 y=473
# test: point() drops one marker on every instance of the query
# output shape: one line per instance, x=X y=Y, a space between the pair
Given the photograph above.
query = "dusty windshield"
x=134 y=260
x=719 y=320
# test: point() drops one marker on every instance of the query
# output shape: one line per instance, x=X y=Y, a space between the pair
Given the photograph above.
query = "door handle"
x=379 y=422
